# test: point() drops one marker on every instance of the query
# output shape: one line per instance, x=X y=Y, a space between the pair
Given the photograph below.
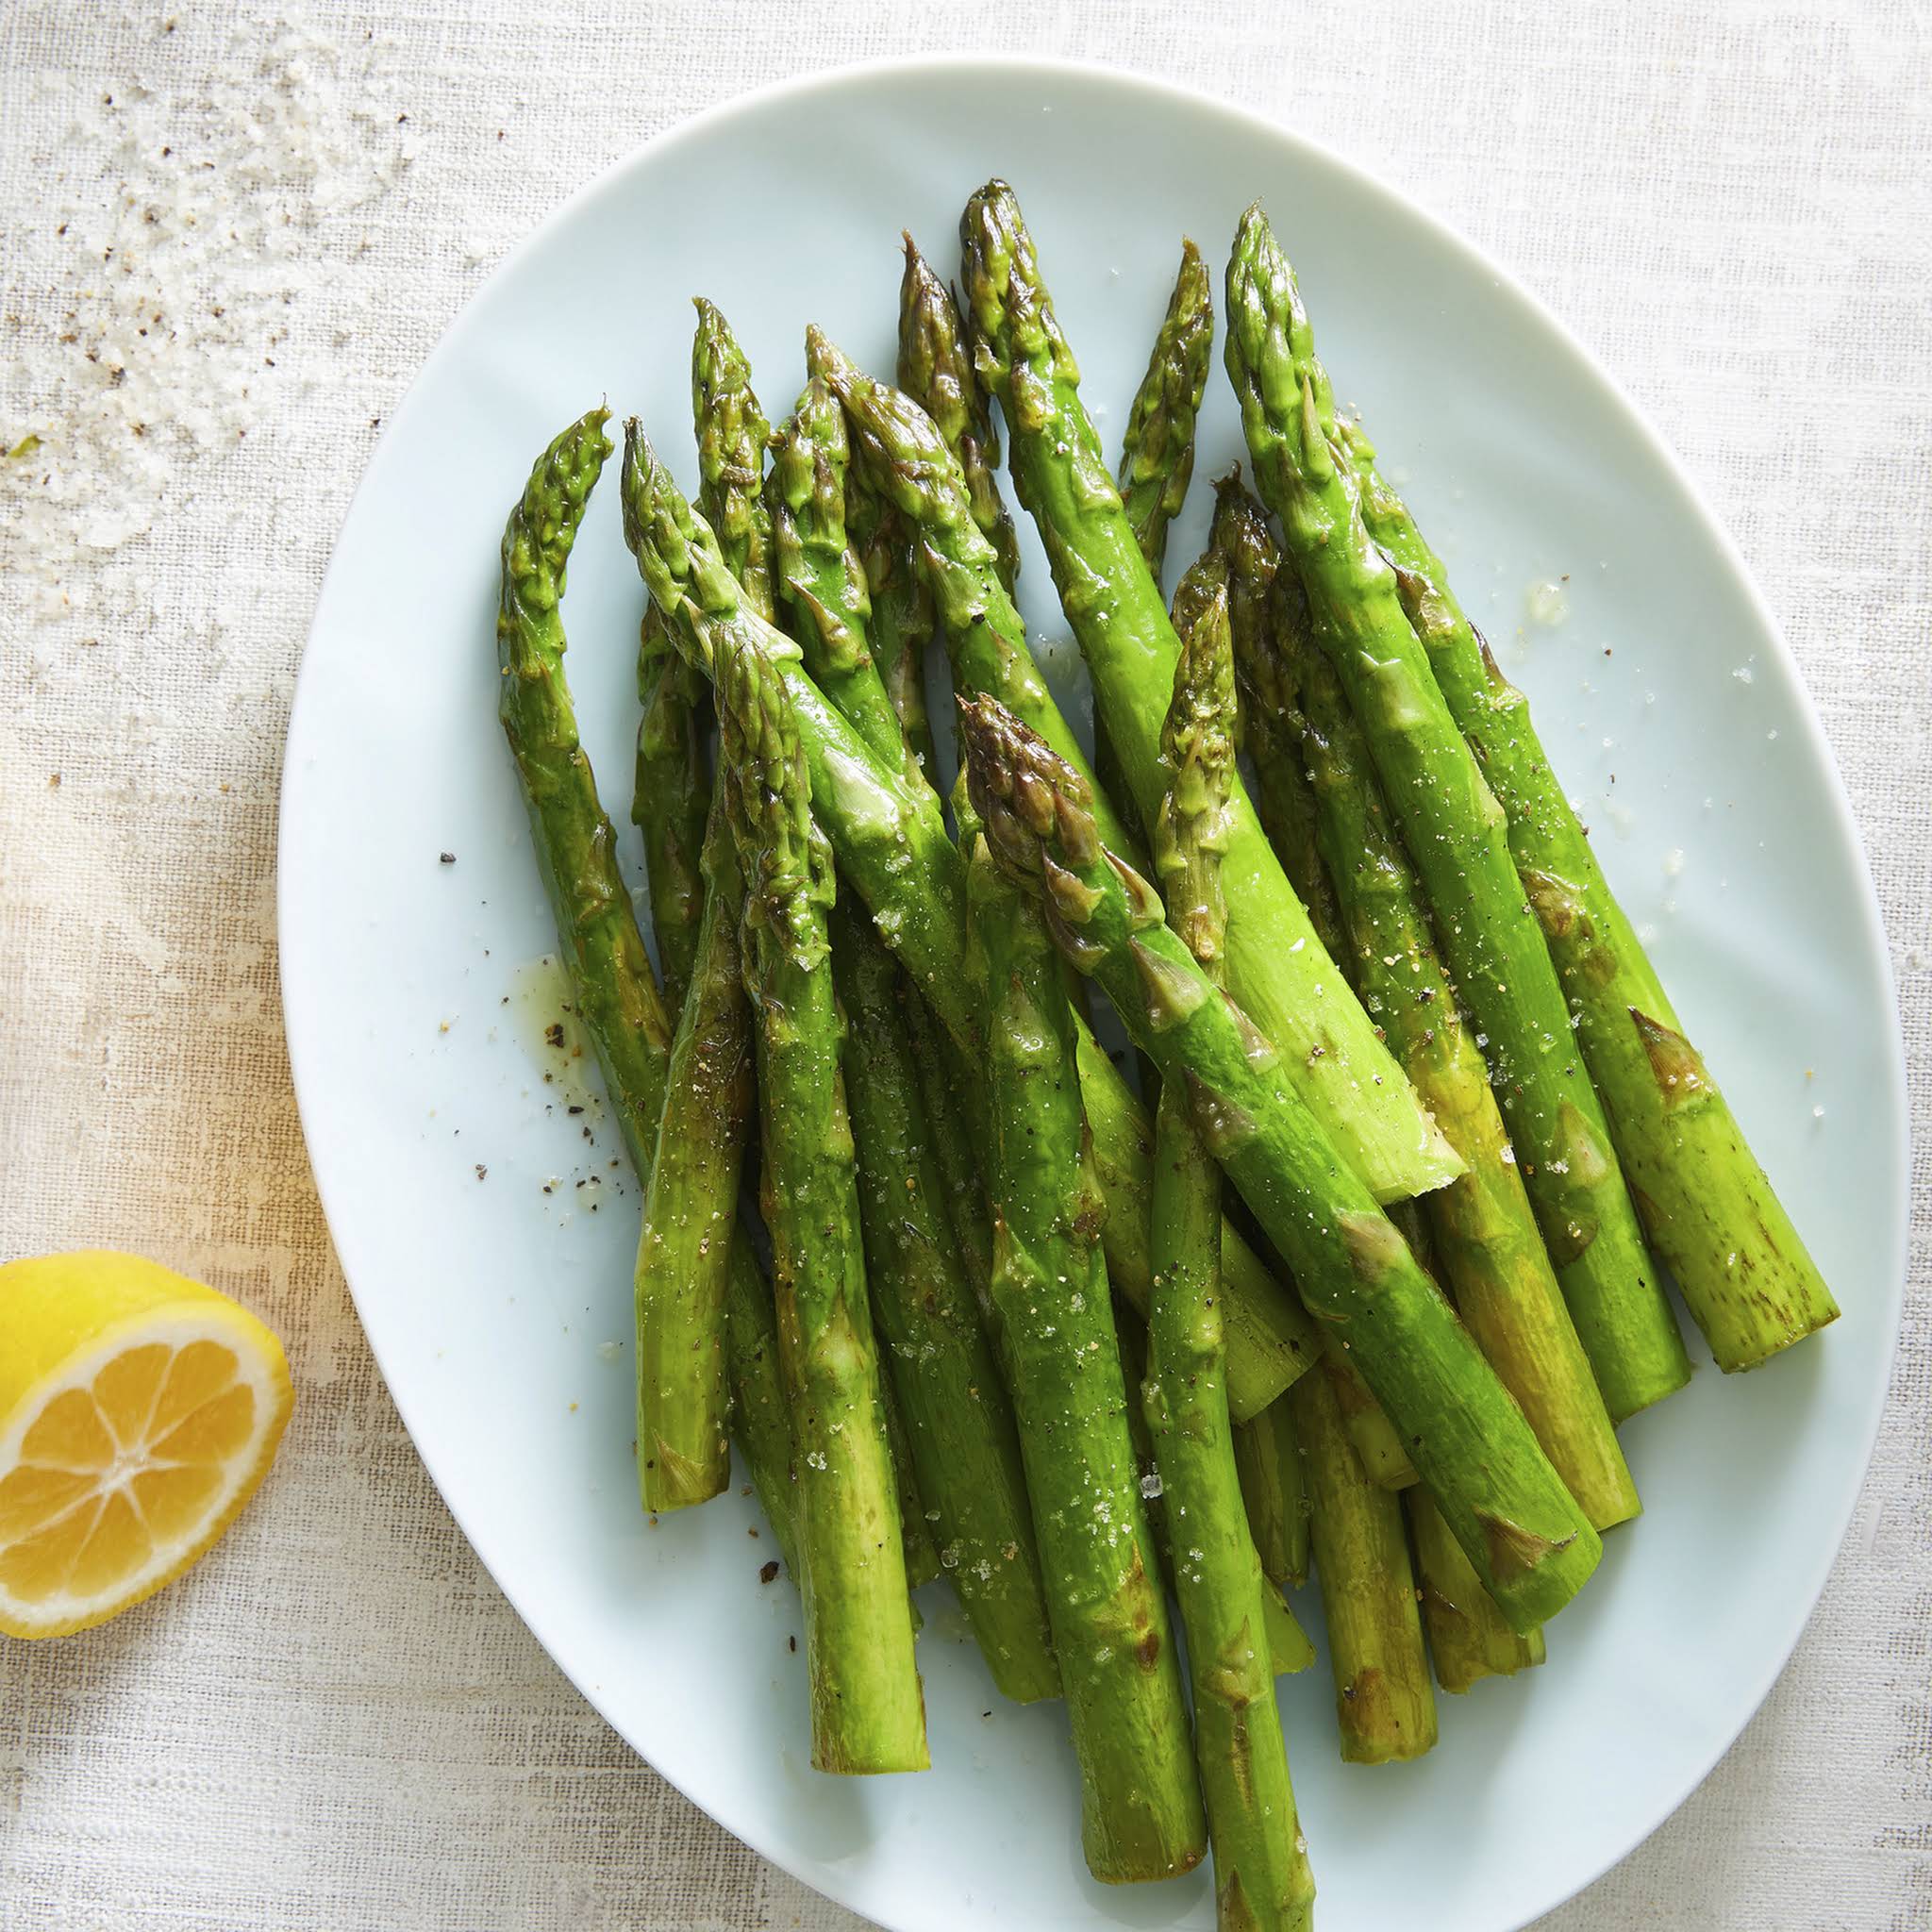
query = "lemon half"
x=139 y=1411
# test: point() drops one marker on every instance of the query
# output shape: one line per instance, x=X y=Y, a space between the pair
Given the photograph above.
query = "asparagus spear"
x=893 y=847
x=732 y=432
x=1456 y=833
x=1234 y=568
x=915 y=1534
x=1384 y=1707
x=669 y=799
x=1710 y=1210
x=902 y=613
x=958 y=1425
x=1140 y=1805
x=1276 y=965
x=684 y=1253
x=1289 y=1649
x=1261 y=1876
x=1468 y=1639
x=1263 y=595
x=760 y=1418
x=1158 y=449
x=822 y=582
x=867 y=1713
x=907 y=459
x=936 y=371
x=1275 y=1495
x=1498 y=1271
x=1507 y=1508
x=612 y=987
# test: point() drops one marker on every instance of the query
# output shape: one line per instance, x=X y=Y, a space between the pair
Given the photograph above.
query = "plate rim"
x=302 y=1052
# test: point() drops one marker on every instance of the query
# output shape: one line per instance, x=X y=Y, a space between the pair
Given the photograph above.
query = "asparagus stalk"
x=690 y=1201
x=1289 y=1649
x=1158 y=449
x=1455 y=832
x=732 y=432
x=936 y=371
x=1467 y=1637
x=1494 y=1257
x=1141 y=1804
x=902 y=623
x=1235 y=570
x=822 y=582
x=612 y=987
x=1507 y=1508
x=1384 y=1707
x=958 y=1425
x=760 y=1418
x=893 y=847
x=867 y=1713
x=1261 y=1876
x=1272 y=1490
x=1710 y=1211
x=1278 y=967
x=1261 y=596
x=668 y=801
x=905 y=458
x=915 y=1534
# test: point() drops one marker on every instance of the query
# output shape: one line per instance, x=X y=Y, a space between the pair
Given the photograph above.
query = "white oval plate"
x=499 y=1311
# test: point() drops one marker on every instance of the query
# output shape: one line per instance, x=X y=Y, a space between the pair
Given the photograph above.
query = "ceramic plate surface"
x=486 y=1229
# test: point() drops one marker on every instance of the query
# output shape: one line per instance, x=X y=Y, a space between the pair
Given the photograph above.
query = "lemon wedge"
x=139 y=1411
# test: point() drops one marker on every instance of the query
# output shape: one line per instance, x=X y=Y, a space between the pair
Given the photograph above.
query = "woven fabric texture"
x=336 y=1723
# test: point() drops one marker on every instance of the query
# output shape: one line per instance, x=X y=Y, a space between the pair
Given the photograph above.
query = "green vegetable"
x=732 y=432
x=613 y=989
x=1276 y=965
x=1708 y=1207
x=959 y=1424
x=822 y=588
x=1273 y=1493
x=866 y=1708
x=1384 y=1707
x=1158 y=450
x=1485 y=1232
x=1468 y=1636
x=1456 y=833
x=936 y=372
x=1261 y=1873
x=1507 y=1506
x=690 y=1204
x=893 y=847
x=1140 y=1803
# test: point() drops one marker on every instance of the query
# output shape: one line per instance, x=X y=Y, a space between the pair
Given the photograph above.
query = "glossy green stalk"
x=1262 y=596
x=1486 y=1235
x=1158 y=448
x=1289 y=1649
x=732 y=432
x=670 y=798
x=1261 y=1876
x=690 y=1204
x=902 y=623
x=1278 y=967
x=1710 y=1210
x=1275 y=1494
x=1468 y=1636
x=907 y=459
x=867 y=1714
x=1456 y=833
x=612 y=987
x=1384 y=1707
x=936 y=371
x=959 y=1424
x=760 y=1417
x=1508 y=1509
x=823 y=592
x=1141 y=1814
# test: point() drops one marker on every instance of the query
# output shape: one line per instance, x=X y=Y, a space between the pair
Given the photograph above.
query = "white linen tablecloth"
x=337 y=1722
